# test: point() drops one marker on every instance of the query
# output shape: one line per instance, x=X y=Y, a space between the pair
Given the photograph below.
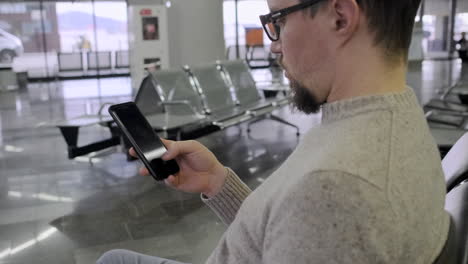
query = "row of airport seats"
x=185 y=103
x=192 y=101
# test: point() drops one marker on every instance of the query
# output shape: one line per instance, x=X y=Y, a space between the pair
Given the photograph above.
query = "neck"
x=365 y=74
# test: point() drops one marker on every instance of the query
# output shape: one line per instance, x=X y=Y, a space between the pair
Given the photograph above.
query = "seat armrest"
x=448 y=112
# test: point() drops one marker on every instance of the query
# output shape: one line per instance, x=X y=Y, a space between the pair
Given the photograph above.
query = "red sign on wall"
x=145 y=12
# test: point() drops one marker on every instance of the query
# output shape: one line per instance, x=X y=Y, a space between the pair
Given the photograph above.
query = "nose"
x=275 y=47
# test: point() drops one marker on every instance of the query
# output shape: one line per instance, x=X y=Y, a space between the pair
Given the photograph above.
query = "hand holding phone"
x=146 y=143
x=200 y=171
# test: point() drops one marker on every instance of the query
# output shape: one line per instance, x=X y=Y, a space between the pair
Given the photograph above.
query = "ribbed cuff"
x=227 y=202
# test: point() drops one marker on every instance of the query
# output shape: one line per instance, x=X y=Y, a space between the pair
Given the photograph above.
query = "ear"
x=346 y=16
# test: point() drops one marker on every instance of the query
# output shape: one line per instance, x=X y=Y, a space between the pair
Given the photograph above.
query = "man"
x=85 y=45
x=364 y=187
x=463 y=48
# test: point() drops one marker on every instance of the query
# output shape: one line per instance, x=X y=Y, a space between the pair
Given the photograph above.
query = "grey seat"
x=452 y=120
x=181 y=95
x=447 y=114
x=170 y=117
x=231 y=52
x=173 y=86
x=445 y=137
x=238 y=75
x=218 y=96
x=446 y=111
x=446 y=117
x=70 y=131
x=259 y=57
x=445 y=105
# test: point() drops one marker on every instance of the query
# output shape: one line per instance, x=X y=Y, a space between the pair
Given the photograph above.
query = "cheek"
x=293 y=51
x=316 y=49
x=305 y=59
x=305 y=52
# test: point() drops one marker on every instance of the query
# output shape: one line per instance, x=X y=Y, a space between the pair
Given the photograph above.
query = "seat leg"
x=281 y=120
x=275 y=118
x=253 y=122
x=70 y=134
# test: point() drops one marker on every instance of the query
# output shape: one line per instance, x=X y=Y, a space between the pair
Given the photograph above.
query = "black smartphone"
x=144 y=140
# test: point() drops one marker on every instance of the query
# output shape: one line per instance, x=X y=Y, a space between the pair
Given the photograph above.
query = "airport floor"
x=56 y=210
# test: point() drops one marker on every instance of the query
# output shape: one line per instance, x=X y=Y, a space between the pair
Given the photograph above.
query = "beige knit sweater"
x=364 y=187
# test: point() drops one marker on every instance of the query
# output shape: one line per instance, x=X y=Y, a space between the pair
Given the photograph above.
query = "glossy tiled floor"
x=55 y=210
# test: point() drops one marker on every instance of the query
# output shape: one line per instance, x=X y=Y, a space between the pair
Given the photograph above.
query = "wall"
x=196 y=33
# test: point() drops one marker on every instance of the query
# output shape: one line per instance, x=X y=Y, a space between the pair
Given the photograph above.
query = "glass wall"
x=28 y=30
x=109 y=26
x=248 y=12
x=461 y=25
x=32 y=25
x=249 y=27
x=43 y=39
x=436 y=25
x=75 y=37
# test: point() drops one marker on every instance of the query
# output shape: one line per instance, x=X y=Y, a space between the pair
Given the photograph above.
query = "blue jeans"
x=121 y=256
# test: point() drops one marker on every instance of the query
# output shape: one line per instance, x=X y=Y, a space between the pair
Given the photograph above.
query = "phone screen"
x=144 y=140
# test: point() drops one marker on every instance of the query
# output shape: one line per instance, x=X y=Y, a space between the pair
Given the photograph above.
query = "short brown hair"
x=391 y=22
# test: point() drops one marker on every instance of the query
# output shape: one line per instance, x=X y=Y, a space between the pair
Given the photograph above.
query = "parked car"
x=10 y=47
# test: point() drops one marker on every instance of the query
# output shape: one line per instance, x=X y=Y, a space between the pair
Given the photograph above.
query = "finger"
x=169 y=145
x=176 y=148
x=171 y=181
x=144 y=171
x=132 y=152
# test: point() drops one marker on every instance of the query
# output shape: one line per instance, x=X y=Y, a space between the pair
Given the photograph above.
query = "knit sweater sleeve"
x=331 y=217
x=226 y=203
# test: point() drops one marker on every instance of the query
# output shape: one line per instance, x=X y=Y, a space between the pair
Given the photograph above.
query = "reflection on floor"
x=55 y=210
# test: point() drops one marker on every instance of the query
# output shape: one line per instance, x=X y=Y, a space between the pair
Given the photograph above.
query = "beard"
x=302 y=100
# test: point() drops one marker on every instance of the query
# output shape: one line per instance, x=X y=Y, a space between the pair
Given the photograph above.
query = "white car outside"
x=10 y=47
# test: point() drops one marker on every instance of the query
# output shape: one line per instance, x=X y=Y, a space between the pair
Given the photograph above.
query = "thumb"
x=171 y=152
x=176 y=148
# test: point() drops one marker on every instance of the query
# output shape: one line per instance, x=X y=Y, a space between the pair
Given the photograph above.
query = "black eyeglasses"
x=270 y=21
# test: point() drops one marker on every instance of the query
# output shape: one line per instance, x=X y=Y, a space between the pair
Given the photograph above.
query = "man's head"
x=463 y=34
x=317 y=44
